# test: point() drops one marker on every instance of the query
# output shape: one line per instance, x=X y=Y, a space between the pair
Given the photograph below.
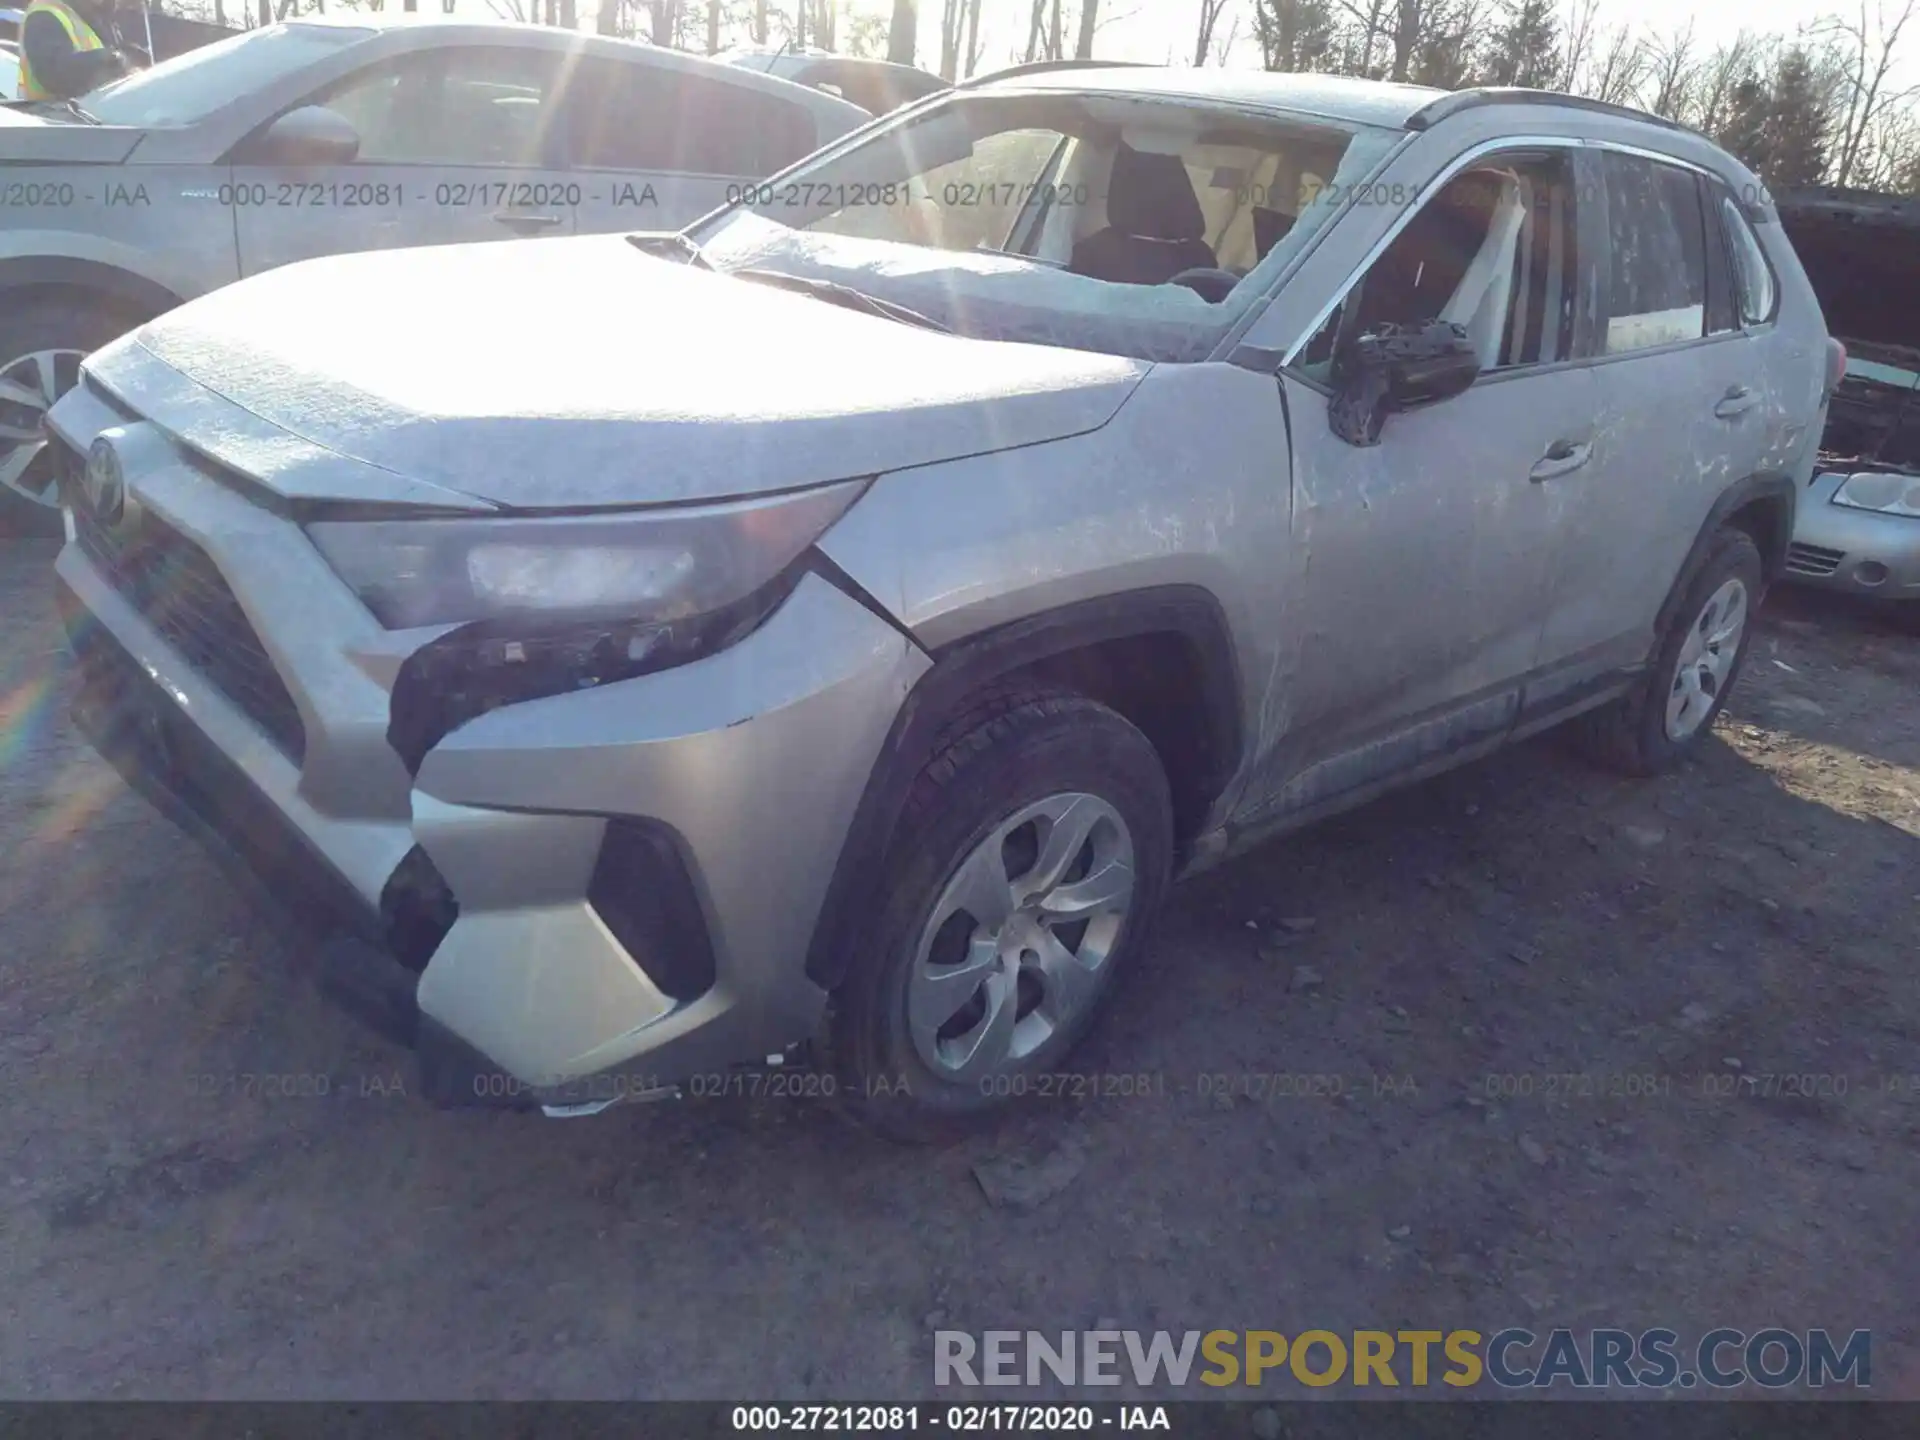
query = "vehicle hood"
x=1861 y=252
x=578 y=373
x=36 y=138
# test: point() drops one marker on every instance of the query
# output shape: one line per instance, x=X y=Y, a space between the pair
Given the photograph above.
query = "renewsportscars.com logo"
x=1602 y=1359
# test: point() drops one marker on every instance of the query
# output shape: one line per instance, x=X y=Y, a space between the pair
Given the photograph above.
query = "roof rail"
x=1447 y=106
x=1044 y=67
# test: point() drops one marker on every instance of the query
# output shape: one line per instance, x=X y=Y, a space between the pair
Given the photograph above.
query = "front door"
x=1428 y=558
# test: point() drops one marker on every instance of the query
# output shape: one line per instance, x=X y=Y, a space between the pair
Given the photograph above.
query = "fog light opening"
x=1870 y=573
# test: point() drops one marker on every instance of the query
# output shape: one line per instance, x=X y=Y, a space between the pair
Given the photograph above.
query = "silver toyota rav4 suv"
x=826 y=631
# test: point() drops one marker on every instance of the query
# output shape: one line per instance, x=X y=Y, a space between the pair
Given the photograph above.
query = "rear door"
x=456 y=144
x=654 y=146
x=1682 y=414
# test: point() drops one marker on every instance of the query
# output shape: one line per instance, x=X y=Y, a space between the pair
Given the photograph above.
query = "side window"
x=1494 y=252
x=454 y=107
x=1656 y=254
x=635 y=115
x=1754 y=289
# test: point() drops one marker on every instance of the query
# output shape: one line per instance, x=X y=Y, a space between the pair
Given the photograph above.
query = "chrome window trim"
x=1453 y=168
x=1427 y=192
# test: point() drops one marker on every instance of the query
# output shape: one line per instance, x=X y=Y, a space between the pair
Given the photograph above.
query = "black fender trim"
x=1736 y=496
x=134 y=292
x=968 y=666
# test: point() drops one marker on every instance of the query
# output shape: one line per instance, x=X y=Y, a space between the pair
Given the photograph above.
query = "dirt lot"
x=166 y=1233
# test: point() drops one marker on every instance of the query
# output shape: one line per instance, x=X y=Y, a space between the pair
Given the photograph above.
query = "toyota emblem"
x=105 y=485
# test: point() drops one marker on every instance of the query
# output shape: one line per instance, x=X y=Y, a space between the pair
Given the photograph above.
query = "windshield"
x=191 y=86
x=1059 y=218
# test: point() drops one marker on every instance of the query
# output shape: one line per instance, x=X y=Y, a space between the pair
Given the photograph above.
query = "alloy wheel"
x=29 y=385
x=1017 y=945
x=1706 y=659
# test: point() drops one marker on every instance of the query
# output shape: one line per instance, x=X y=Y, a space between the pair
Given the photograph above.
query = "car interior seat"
x=1155 y=227
x=1420 y=272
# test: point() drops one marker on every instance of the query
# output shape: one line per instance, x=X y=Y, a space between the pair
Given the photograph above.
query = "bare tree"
x=1872 y=51
x=1223 y=44
x=1672 y=75
x=1739 y=59
x=1576 y=55
x=953 y=17
x=1083 y=36
x=1036 y=27
x=902 y=36
x=1210 y=13
x=1616 y=71
x=1369 y=25
x=1448 y=51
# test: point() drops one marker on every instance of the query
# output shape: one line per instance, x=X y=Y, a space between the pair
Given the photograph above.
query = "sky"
x=1146 y=30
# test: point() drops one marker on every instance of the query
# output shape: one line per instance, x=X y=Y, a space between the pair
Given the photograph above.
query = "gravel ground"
x=1472 y=965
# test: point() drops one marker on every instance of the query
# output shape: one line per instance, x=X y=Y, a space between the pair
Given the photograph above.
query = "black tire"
x=1630 y=735
x=55 y=320
x=1014 y=750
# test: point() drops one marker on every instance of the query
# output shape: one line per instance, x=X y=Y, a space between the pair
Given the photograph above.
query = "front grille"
x=181 y=593
x=1813 y=559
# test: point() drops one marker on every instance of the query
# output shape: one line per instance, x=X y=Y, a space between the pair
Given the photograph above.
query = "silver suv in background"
x=877 y=594
x=310 y=139
x=878 y=86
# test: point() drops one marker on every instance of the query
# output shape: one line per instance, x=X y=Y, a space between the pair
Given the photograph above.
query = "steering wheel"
x=1210 y=284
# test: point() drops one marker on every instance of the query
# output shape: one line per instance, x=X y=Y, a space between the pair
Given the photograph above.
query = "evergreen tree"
x=1744 y=130
x=1294 y=34
x=1796 y=129
x=1524 y=48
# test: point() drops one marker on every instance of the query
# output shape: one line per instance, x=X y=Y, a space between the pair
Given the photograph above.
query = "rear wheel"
x=1035 y=848
x=1693 y=671
x=42 y=343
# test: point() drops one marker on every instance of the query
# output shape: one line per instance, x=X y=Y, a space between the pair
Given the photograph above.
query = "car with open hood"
x=316 y=138
x=1859 y=521
x=813 y=640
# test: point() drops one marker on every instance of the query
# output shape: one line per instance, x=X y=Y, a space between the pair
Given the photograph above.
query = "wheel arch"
x=127 y=290
x=1761 y=505
x=1116 y=649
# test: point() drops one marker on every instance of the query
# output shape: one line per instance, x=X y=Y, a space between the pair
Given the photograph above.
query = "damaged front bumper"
x=577 y=899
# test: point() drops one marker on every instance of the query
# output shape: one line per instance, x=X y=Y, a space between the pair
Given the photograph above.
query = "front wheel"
x=1034 y=851
x=42 y=342
x=1693 y=670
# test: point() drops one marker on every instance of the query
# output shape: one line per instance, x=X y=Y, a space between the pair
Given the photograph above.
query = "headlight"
x=1884 y=491
x=658 y=565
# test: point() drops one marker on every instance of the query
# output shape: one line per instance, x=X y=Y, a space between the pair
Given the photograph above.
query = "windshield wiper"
x=72 y=107
x=663 y=243
x=837 y=294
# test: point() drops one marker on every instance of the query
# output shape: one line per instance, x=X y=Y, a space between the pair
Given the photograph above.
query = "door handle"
x=1737 y=401
x=1563 y=457
x=519 y=220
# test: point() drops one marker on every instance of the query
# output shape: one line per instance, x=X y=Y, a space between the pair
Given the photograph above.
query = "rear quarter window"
x=1756 y=292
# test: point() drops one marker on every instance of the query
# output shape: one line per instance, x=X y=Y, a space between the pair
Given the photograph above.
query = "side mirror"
x=311 y=135
x=1398 y=367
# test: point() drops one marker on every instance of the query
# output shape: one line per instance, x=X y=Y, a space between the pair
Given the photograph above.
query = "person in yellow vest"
x=68 y=47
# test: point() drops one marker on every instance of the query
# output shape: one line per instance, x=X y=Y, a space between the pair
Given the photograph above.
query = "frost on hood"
x=1002 y=297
